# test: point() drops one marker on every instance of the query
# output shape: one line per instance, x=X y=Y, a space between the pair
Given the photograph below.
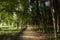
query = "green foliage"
x=21 y=8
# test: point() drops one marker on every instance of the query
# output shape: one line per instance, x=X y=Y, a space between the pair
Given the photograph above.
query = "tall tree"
x=54 y=17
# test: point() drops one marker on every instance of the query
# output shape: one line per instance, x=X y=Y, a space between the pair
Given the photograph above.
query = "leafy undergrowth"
x=41 y=29
x=9 y=28
x=48 y=32
x=53 y=39
x=37 y=29
x=9 y=34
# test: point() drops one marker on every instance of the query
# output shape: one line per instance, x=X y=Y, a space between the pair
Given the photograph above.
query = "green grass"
x=53 y=39
x=9 y=33
x=39 y=29
x=10 y=30
x=49 y=30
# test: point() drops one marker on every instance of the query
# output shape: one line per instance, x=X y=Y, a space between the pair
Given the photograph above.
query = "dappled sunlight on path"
x=29 y=34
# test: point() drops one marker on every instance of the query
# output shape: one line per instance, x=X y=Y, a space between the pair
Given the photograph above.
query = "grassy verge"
x=9 y=33
x=49 y=32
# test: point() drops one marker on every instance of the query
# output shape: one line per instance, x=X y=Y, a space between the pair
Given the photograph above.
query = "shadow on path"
x=29 y=34
x=25 y=34
x=16 y=37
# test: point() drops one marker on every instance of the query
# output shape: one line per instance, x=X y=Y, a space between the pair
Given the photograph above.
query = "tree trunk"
x=57 y=23
x=54 y=20
x=38 y=12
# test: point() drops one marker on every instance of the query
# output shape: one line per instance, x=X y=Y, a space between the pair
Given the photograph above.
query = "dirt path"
x=29 y=34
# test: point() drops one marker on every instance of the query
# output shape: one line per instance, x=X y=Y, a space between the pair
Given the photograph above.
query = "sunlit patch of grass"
x=7 y=33
x=9 y=30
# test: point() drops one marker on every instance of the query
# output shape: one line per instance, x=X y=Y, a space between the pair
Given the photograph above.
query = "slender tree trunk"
x=38 y=13
x=53 y=18
x=44 y=21
x=57 y=23
x=54 y=24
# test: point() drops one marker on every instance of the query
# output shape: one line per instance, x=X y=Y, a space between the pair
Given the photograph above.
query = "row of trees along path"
x=29 y=34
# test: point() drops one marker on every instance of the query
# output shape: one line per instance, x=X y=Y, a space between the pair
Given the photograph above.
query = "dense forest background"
x=42 y=15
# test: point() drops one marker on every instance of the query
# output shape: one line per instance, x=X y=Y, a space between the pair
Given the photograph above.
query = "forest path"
x=29 y=34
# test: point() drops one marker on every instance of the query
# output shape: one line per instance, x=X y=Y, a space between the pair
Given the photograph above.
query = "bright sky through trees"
x=47 y=3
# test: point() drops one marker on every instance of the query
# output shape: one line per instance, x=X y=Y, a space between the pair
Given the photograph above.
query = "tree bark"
x=54 y=19
x=57 y=23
